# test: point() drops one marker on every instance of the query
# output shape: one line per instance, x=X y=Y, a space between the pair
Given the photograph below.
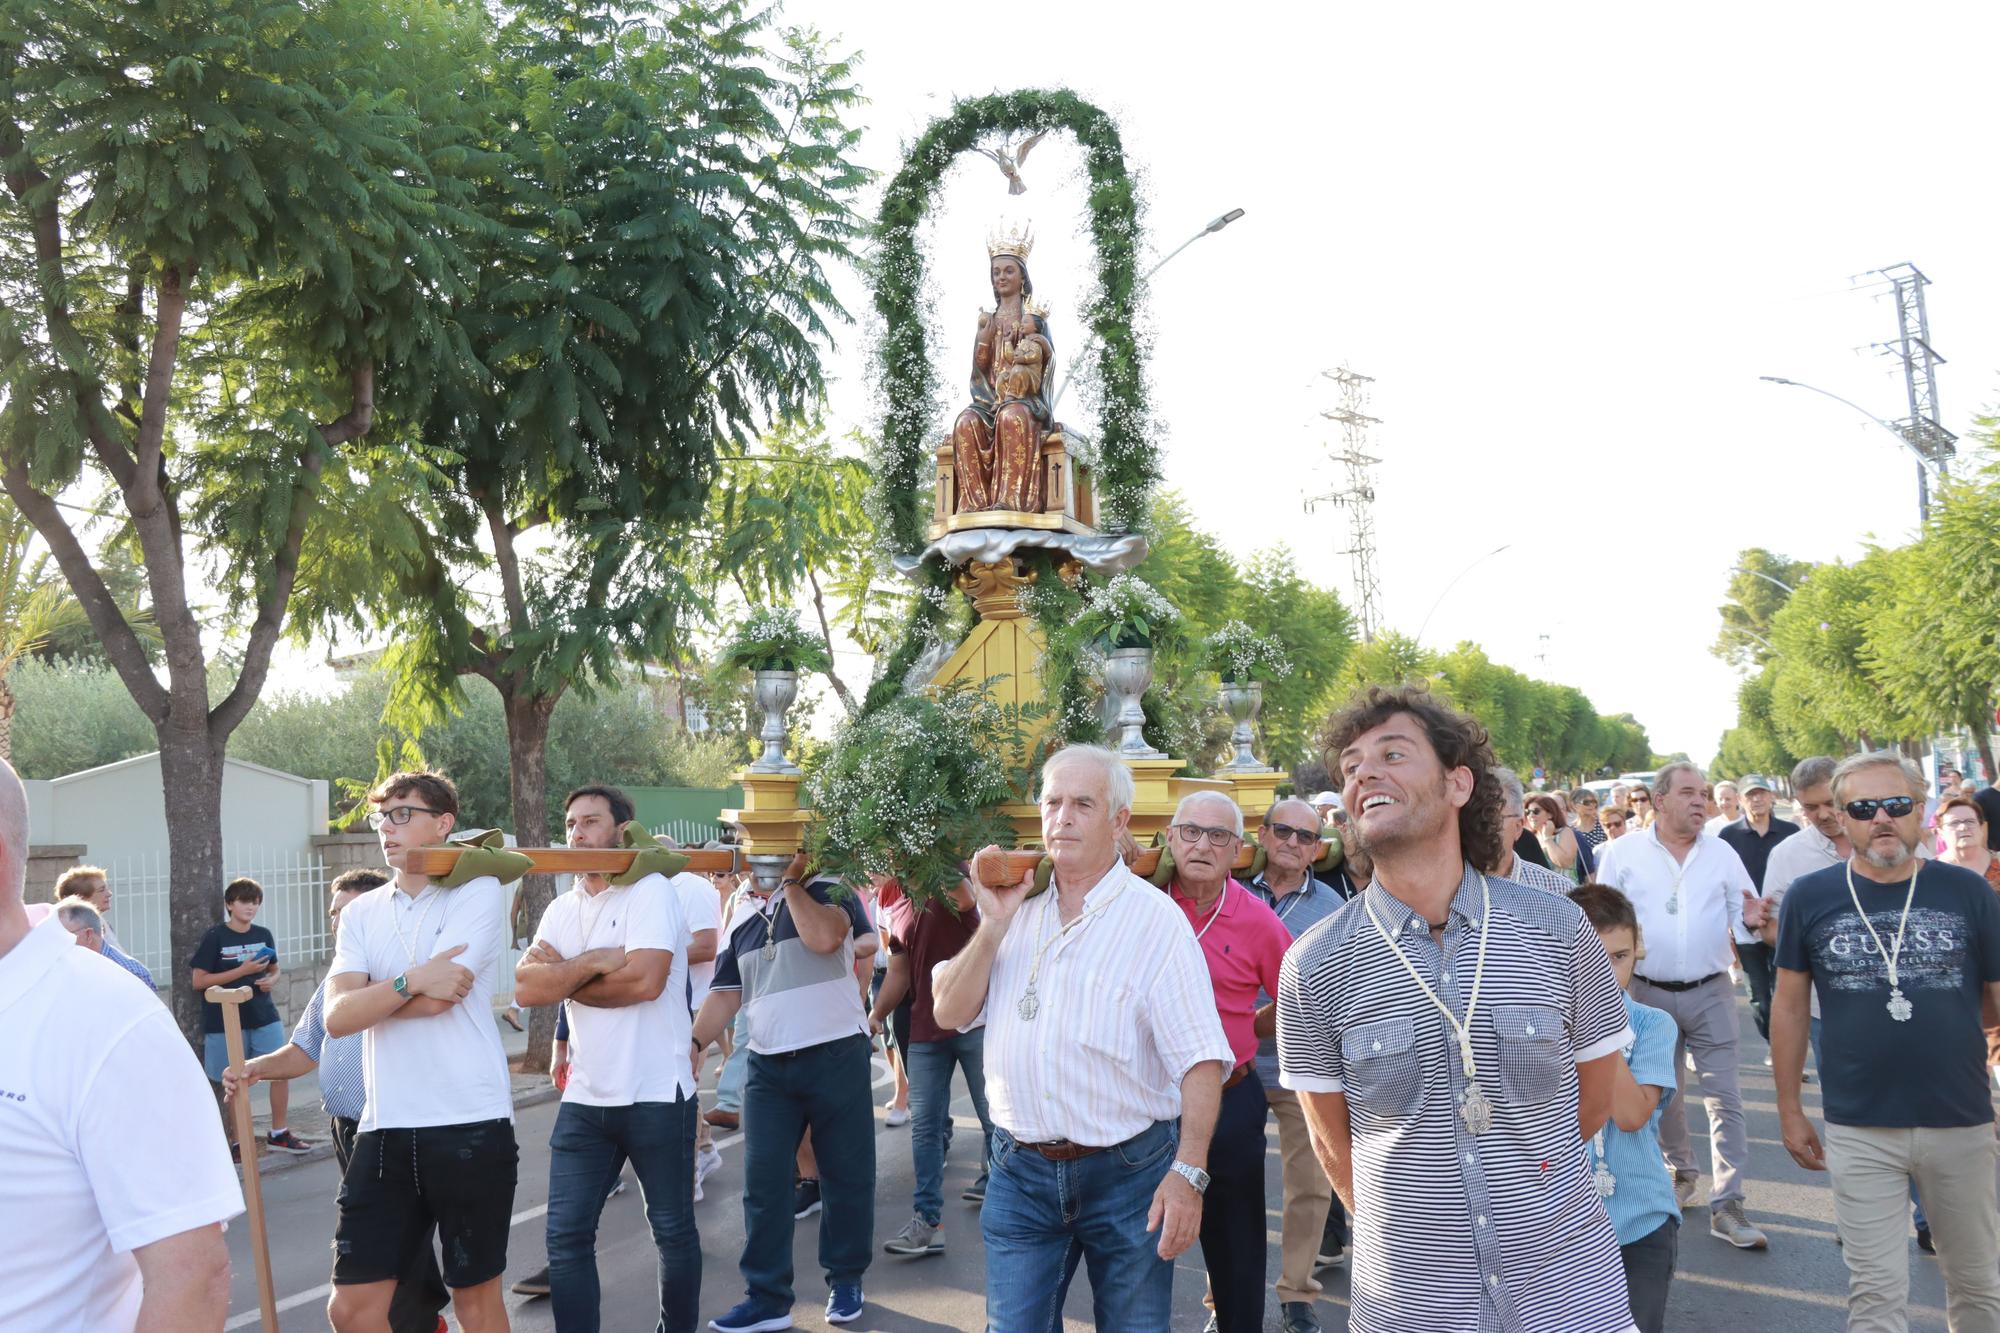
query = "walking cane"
x=229 y=997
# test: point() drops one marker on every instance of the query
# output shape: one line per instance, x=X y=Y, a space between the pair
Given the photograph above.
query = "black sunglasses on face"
x=1301 y=836
x=1897 y=806
x=1641 y=796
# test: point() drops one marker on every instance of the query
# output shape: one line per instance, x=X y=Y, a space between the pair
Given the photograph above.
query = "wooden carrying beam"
x=229 y=997
x=994 y=863
x=436 y=861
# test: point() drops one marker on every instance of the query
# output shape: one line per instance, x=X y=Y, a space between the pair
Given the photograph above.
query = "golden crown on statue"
x=1008 y=239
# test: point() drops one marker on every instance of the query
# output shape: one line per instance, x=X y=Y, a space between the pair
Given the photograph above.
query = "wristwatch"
x=1193 y=1175
x=401 y=983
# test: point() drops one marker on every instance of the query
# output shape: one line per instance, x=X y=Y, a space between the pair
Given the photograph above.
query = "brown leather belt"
x=1236 y=1075
x=1061 y=1150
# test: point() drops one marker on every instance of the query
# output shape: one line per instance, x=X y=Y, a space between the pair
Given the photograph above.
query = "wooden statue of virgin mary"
x=997 y=440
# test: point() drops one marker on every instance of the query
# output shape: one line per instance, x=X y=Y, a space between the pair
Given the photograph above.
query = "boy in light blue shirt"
x=1625 y=1159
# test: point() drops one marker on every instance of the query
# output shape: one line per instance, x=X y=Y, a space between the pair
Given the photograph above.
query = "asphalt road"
x=1799 y=1284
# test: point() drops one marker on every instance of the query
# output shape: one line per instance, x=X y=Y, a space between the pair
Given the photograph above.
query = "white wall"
x=119 y=810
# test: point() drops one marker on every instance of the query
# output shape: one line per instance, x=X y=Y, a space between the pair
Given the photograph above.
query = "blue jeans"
x=587 y=1150
x=729 y=1083
x=1041 y=1217
x=931 y=1063
x=827 y=1089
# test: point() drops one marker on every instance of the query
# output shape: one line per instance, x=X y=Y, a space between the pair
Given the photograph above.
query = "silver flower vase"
x=1127 y=673
x=1242 y=700
x=774 y=692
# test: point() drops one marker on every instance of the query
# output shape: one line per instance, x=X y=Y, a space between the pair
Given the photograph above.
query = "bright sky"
x=1565 y=240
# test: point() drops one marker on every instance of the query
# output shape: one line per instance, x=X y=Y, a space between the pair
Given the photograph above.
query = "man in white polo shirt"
x=413 y=970
x=617 y=956
x=1105 y=1058
x=114 y=1176
x=1690 y=890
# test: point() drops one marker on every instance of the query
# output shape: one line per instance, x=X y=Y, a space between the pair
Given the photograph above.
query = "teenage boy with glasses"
x=413 y=970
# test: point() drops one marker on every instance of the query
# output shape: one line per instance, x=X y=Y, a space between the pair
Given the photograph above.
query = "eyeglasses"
x=398 y=816
x=1641 y=796
x=1302 y=836
x=1956 y=824
x=1897 y=806
x=1194 y=833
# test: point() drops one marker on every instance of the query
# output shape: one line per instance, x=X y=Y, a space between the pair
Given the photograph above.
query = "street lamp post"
x=1760 y=574
x=1091 y=346
x=1923 y=462
x=1470 y=566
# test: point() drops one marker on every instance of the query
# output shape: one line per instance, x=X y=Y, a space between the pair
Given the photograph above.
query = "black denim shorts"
x=399 y=1182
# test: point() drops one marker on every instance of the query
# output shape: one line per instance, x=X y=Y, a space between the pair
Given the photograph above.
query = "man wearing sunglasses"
x=413 y=971
x=1904 y=955
x=1314 y=1223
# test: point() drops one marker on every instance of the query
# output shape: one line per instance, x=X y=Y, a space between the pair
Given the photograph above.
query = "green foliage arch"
x=1127 y=463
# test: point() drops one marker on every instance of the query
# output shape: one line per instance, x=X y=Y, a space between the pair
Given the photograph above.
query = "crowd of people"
x=1476 y=1033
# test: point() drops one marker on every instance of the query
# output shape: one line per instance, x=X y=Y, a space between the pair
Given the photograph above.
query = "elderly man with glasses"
x=1243 y=943
x=1314 y=1223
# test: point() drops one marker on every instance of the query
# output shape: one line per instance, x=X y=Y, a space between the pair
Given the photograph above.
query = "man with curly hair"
x=1453 y=1038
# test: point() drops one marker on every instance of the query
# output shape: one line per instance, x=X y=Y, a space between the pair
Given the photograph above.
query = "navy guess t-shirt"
x=1929 y=1072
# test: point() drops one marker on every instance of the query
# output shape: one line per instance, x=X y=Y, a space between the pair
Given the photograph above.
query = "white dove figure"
x=1009 y=160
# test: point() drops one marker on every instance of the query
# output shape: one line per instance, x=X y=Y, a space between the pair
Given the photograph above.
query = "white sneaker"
x=705 y=1162
x=898 y=1116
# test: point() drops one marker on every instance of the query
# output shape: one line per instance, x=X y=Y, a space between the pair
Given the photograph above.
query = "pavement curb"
x=276 y=1164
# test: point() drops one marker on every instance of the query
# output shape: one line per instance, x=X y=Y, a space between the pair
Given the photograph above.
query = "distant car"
x=1602 y=789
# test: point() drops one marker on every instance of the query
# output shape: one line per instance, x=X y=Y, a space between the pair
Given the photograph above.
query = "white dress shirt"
x=1123 y=1009
x=1706 y=890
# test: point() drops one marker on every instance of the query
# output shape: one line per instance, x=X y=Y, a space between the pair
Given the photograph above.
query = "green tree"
x=791 y=518
x=219 y=230
x=666 y=185
x=1758 y=585
x=1389 y=658
x=1753 y=745
x=1317 y=633
x=1935 y=648
x=1824 y=688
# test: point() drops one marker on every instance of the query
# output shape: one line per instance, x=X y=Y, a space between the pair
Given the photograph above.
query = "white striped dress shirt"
x=1123 y=1010
x=1501 y=1232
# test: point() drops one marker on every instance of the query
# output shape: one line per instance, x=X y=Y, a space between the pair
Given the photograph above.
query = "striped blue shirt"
x=342 y=1090
x=1501 y=1232
x=1303 y=908
x=129 y=963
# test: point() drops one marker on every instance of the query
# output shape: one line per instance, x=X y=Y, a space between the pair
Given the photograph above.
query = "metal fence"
x=294 y=908
x=689 y=832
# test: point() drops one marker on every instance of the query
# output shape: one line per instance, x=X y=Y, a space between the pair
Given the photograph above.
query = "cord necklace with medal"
x=1900 y=1008
x=1680 y=874
x=1473 y=1108
x=1030 y=1004
x=1600 y=1170
x=769 y=951
x=414 y=942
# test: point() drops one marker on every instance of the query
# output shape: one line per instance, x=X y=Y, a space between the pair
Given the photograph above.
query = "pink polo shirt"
x=1243 y=942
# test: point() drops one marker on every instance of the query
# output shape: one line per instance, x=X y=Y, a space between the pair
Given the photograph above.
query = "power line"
x=1358 y=496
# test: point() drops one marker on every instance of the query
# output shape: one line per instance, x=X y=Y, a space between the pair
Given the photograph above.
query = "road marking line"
x=325 y=1289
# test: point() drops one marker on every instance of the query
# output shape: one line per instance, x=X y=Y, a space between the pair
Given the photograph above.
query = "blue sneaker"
x=843 y=1306
x=754 y=1316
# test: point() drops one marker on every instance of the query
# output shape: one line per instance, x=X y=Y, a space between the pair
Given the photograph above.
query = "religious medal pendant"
x=1674 y=904
x=1029 y=1007
x=1607 y=1184
x=770 y=949
x=1475 y=1110
x=1900 y=1008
